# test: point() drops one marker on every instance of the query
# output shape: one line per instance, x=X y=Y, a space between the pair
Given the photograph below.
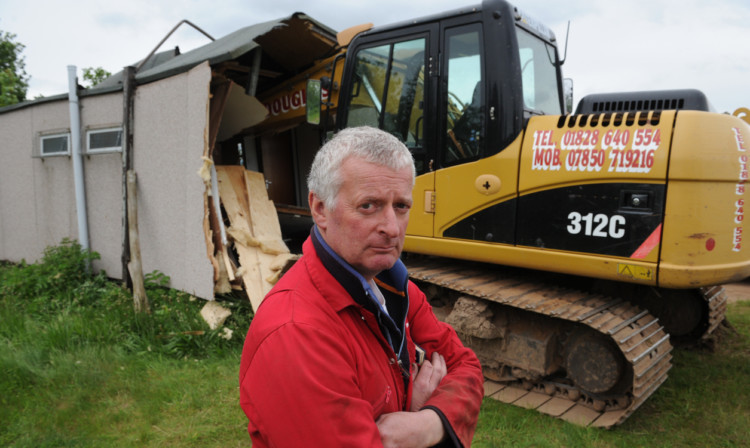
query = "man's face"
x=368 y=223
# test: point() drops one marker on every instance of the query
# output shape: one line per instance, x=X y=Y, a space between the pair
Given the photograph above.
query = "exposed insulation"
x=214 y=314
x=205 y=171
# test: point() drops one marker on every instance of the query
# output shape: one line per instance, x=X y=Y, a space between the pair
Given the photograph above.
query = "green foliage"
x=70 y=307
x=14 y=82
x=78 y=365
x=60 y=280
x=94 y=75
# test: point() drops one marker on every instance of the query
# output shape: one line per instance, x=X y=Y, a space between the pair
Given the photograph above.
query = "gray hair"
x=370 y=144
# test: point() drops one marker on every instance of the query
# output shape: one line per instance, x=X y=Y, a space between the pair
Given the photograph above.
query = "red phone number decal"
x=618 y=150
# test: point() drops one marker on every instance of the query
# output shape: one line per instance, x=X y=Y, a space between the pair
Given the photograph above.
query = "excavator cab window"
x=538 y=74
x=463 y=95
x=388 y=92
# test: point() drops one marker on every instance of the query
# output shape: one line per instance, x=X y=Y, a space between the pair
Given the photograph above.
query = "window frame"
x=450 y=30
x=104 y=150
x=533 y=85
x=423 y=149
x=52 y=135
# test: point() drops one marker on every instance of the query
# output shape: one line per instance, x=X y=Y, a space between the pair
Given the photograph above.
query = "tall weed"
x=57 y=305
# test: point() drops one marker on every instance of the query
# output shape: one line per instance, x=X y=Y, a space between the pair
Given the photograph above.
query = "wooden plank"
x=216 y=112
x=140 y=300
x=265 y=227
x=255 y=230
x=251 y=275
x=265 y=220
x=228 y=263
x=213 y=219
x=233 y=193
x=234 y=196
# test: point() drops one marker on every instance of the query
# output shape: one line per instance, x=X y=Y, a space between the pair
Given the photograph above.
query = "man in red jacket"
x=332 y=355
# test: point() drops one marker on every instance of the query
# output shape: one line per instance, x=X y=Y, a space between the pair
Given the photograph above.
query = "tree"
x=94 y=76
x=14 y=82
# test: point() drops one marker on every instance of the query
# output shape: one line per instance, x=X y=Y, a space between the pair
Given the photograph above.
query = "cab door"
x=392 y=78
x=475 y=185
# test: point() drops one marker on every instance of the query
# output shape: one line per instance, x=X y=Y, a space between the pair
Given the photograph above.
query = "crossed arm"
x=419 y=427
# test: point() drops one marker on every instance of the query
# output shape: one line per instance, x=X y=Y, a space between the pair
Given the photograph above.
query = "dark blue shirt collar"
x=397 y=276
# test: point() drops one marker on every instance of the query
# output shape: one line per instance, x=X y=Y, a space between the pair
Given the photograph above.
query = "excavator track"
x=716 y=299
x=639 y=337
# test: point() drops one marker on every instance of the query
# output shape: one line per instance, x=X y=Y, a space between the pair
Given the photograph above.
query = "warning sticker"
x=635 y=272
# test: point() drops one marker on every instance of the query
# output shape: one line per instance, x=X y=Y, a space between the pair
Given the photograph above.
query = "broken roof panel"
x=293 y=42
x=155 y=60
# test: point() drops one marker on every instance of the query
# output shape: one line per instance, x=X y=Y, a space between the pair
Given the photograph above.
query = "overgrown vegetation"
x=80 y=309
x=79 y=368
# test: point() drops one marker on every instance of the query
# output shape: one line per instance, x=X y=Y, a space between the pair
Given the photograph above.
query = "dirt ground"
x=738 y=291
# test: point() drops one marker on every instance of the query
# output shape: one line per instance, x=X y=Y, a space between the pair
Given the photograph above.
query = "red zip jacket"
x=317 y=370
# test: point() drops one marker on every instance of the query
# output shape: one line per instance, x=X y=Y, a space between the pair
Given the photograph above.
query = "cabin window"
x=388 y=92
x=104 y=140
x=55 y=145
x=539 y=74
x=463 y=95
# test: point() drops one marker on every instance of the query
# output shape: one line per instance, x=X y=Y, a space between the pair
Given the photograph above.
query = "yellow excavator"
x=571 y=251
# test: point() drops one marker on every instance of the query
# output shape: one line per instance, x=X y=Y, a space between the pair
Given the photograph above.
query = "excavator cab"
x=457 y=89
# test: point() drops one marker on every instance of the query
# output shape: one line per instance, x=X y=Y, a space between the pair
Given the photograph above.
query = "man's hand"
x=417 y=429
x=411 y=429
x=426 y=380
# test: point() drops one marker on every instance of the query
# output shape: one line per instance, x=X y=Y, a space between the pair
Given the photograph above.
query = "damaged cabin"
x=218 y=144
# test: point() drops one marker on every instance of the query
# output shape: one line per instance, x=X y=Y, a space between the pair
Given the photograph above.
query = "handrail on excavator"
x=743 y=113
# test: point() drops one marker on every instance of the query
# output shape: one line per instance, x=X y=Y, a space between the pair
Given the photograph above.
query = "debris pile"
x=249 y=251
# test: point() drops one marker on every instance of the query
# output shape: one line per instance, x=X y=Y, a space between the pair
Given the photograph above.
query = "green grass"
x=79 y=369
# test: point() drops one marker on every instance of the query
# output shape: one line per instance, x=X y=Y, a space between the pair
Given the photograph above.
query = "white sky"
x=614 y=45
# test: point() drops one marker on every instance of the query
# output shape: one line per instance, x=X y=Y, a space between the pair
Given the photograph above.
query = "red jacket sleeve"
x=459 y=395
x=304 y=364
